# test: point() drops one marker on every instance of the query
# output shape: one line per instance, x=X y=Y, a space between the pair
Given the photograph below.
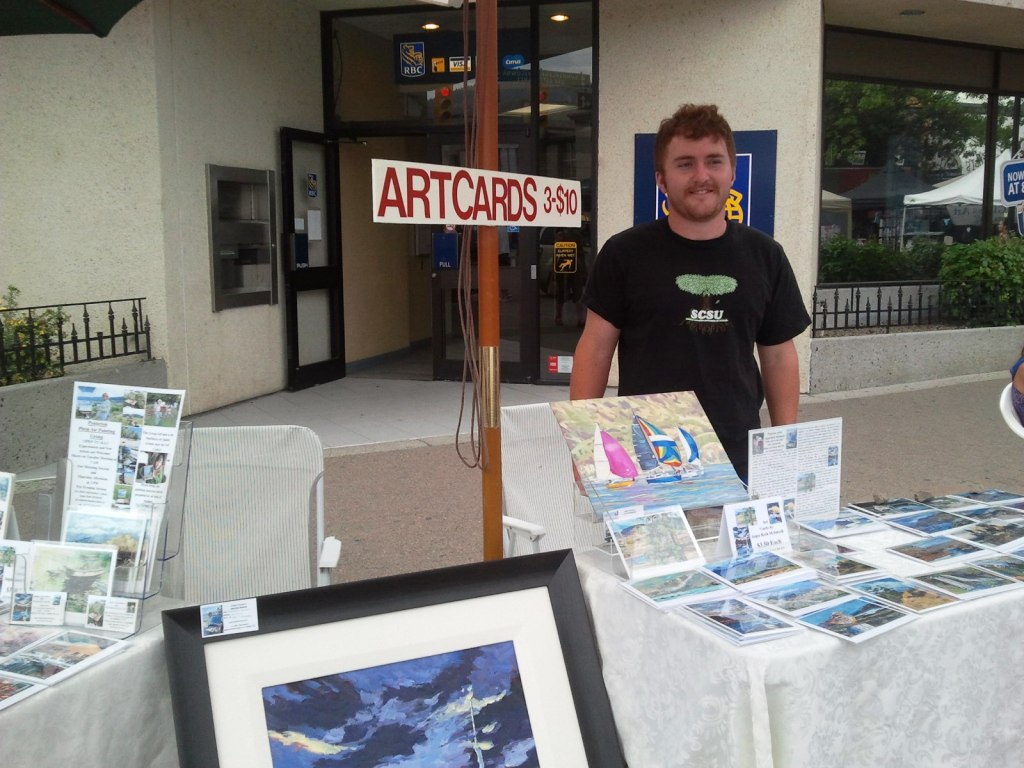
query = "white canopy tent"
x=960 y=196
x=836 y=214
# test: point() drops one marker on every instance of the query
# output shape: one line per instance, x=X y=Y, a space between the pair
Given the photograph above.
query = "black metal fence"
x=39 y=342
x=882 y=307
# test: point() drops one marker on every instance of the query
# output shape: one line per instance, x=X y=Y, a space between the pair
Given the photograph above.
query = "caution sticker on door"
x=559 y=363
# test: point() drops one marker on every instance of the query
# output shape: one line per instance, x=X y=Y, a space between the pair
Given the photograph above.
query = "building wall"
x=105 y=144
x=760 y=62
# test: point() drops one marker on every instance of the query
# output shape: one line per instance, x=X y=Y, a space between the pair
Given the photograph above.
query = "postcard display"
x=784 y=553
x=70 y=602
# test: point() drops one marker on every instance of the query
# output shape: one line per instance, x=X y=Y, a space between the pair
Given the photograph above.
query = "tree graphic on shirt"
x=709 y=288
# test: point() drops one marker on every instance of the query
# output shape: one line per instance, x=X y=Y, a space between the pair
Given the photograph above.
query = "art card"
x=857 y=619
x=739 y=621
x=905 y=593
x=757 y=525
x=846 y=522
x=121 y=442
x=832 y=565
x=14 y=557
x=655 y=542
x=928 y=522
x=891 y=507
x=937 y=549
x=39 y=608
x=51 y=660
x=980 y=513
x=800 y=597
x=968 y=582
x=6 y=494
x=671 y=589
x=469 y=701
x=648 y=450
x=994 y=534
x=12 y=691
x=950 y=503
x=802 y=462
x=77 y=569
x=759 y=571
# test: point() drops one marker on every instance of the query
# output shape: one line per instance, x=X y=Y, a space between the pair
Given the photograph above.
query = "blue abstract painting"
x=459 y=709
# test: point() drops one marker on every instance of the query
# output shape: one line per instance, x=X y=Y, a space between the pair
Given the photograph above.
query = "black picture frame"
x=478 y=595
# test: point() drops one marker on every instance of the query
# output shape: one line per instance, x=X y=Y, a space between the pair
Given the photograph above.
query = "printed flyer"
x=121 y=445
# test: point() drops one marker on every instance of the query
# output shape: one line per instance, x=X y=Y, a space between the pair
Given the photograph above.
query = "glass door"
x=517 y=308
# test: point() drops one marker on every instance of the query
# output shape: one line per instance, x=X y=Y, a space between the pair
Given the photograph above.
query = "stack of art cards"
x=929 y=522
x=906 y=594
x=891 y=507
x=834 y=566
x=59 y=656
x=78 y=570
x=676 y=588
x=1008 y=565
x=800 y=597
x=937 y=550
x=968 y=581
x=991 y=496
x=759 y=571
x=649 y=451
x=846 y=522
x=654 y=542
x=857 y=619
x=739 y=621
x=1000 y=535
x=12 y=690
x=1008 y=514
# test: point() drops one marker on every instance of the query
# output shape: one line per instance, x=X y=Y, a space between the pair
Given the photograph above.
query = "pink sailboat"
x=612 y=463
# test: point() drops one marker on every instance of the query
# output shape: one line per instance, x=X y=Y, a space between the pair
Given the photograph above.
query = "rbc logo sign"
x=413 y=59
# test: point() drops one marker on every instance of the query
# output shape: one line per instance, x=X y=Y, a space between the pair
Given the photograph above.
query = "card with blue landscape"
x=905 y=593
x=857 y=619
x=739 y=621
x=800 y=597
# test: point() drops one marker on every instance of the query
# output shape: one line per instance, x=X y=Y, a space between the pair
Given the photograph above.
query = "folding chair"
x=1006 y=410
x=252 y=514
x=543 y=508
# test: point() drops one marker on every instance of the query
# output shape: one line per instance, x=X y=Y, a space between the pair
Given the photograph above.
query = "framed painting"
x=479 y=665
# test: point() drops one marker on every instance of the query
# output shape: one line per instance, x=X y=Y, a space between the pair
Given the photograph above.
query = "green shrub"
x=27 y=351
x=843 y=260
x=983 y=282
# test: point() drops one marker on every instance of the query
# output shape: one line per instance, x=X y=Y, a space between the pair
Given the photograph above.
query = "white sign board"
x=420 y=193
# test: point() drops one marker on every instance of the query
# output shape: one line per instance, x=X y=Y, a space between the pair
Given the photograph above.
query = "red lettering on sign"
x=499 y=192
x=418 y=182
x=441 y=177
x=391 y=197
x=461 y=178
x=482 y=203
x=530 y=209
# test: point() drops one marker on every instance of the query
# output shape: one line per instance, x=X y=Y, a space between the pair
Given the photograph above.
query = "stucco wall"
x=80 y=199
x=846 y=363
x=230 y=74
x=760 y=62
x=105 y=144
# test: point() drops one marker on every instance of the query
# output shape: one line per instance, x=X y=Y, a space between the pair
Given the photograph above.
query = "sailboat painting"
x=647 y=451
x=465 y=709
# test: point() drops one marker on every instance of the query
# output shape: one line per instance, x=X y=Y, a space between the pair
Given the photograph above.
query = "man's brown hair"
x=693 y=121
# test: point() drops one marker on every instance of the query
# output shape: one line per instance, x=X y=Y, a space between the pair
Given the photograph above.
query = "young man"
x=686 y=298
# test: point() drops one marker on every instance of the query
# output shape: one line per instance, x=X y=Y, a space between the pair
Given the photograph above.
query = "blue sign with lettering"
x=1012 y=177
x=445 y=250
x=752 y=199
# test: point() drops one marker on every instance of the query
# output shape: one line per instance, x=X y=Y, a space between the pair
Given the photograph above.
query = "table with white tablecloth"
x=116 y=713
x=942 y=691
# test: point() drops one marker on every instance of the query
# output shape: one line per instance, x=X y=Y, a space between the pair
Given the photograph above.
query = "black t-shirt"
x=689 y=313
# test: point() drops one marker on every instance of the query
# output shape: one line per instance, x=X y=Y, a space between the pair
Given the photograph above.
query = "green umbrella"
x=66 y=17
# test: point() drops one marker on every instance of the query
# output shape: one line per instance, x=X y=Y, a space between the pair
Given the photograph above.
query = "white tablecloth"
x=116 y=714
x=942 y=691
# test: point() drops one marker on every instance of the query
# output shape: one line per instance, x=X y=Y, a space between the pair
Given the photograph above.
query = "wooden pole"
x=488 y=275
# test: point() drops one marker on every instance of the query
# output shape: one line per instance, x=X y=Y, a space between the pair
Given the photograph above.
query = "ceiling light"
x=430 y=26
x=559 y=17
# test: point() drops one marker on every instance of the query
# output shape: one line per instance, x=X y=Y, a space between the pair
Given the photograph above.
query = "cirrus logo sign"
x=513 y=60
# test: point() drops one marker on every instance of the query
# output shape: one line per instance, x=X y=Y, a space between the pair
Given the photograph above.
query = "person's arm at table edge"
x=593 y=358
x=780 y=372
